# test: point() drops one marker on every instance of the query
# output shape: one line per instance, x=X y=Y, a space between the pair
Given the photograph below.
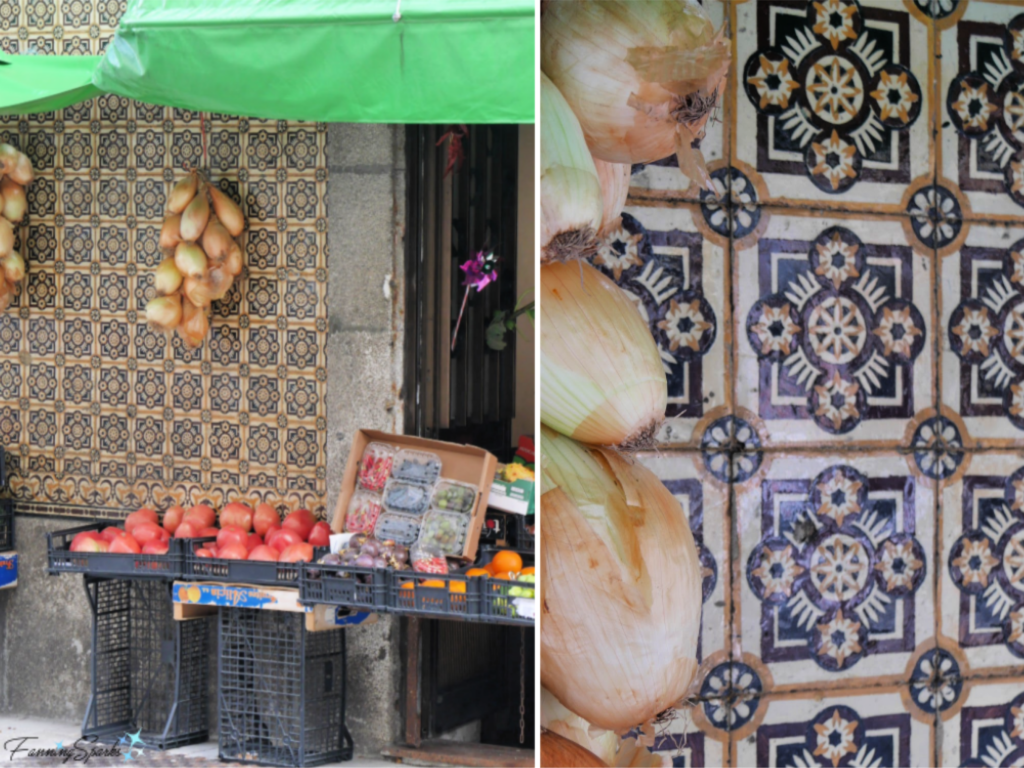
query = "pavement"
x=19 y=733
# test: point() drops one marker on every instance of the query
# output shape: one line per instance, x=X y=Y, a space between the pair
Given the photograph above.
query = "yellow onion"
x=167 y=278
x=170 y=232
x=216 y=240
x=198 y=291
x=194 y=217
x=233 y=261
x=22 y=172
x=556 y=718
x=164 y=312
x=14 y=268
x=621 y=586
x=219 y=282
x=182 y=193
x=227 y=211
x=559 y=752
x=6 y=295
x=8 y=158
x=602 y=379
x=570 y=193
x=194 y=325
x=14 y=201
x=643 y=78
x=6 y=237
x=190 y=260
x=614 y=178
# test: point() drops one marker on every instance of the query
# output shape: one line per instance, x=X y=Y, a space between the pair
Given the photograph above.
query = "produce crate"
x=105 y=565
x=407 y=595
x=344 y=585
x=521 y=537
x=281 y=690
x=498 y=604
x=497 y=527
x=259 y=572
x=6 y=525
x=149 y=672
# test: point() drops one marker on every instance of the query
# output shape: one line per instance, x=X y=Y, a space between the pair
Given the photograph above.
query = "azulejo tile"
x=833 y=100
x=688 y=740
x=854 y=727
x=986 y=727
x=834 y=569
x=982 y=311
x=982 y=562
x=833 y=329
x=705 y=502
x=982 y=112
x=676 y=274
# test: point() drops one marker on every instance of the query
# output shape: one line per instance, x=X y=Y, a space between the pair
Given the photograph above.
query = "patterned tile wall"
x=842 y=327
x=98 y=413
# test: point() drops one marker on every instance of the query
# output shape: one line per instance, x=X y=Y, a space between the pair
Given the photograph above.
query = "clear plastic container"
x=375 y=466
x=428 y=559
x=453 y=496
x=407 y=498
x=399 y=528
x=421 y=467
x=444 y=530
x=363 y=511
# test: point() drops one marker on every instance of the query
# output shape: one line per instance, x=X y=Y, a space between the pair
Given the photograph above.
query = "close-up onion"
x=6 y=237
x=621 y=585
x=228 y=212
x=182 y=193
x=559 y=752
x=190 y=260
x=642 y=77
x=570 y=193
x=167 y=278
x=614 y=178
x=14 y=267
x=194 y=218
x=15 y=203
x=602 y=378
x=164 y=312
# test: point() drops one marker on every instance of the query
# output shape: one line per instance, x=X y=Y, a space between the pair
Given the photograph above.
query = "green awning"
x=442 y=61
x=33 y=84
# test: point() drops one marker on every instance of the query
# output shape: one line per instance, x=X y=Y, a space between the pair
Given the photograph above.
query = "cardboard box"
x=8 y=570
x=515 y=497
x=458 y=462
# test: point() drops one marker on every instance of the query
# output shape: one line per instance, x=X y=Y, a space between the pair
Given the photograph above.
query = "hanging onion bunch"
x=621 y=585
x=614 y=178
x=642 y=77
x=201 y=258
x=15 y=174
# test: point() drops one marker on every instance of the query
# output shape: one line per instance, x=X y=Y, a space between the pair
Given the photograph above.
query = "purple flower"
x=480 y=271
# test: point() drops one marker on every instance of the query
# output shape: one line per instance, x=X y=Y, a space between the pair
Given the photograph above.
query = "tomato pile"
x=243 y=533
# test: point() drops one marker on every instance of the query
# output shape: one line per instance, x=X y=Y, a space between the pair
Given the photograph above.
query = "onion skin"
x=182 y=193
x=216 y=240
x=167 y=279
x=164 y=312
x=14 y=201
x=6 y=238
x=602 y=379
x=194 y=324
x=227 y=211
x=198 y=291
x=22 y=172
x=14 y=268
x=170 y=232
x=194 y=218
x=233 y=261
x=559 y=752
x=190 y=260
x=621 y=586
x=614 y=178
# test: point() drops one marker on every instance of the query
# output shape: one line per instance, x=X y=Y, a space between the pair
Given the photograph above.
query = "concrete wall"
x=45 y=628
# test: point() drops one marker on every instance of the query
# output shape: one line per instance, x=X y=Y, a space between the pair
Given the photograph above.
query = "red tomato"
x=265 y=518
x=231 y=534
x=263 y=552
x=204 y=514
x=301 y=521
x=320 y=536
x=88 y=541
x=297 y=552
x=186 y=530
x=238 y=514
x=206 y=552
x=155 y=547
x=140 y=516
x=270 y=530
x=232 y=551
x=210 y=545
x=126 y=545
x=208 y=532
x=172 y=518
x=147 y=532
x=282 y=539
x=252 y=541
x=111 y=532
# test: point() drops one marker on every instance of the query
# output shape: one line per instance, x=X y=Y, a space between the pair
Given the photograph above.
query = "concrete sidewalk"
x=18 y=732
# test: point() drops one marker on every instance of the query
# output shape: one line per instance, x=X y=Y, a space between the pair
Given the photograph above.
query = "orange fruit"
x=490 y=569
x=528 y=571
x=506 y=561
x=457 y=586
x=477 y=572
x=435 y=583
x=505 y=576
x=408 y=585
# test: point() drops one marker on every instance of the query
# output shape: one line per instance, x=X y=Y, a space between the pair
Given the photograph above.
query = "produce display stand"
x=149 y=672
x=106 y=565
x=270 y=574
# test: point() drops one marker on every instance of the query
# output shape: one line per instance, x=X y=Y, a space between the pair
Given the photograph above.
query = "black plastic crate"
x=364 y=589
x=6 y=525
x=106 y=565
x=522 y=537
x=281 y=690
x=497 y=596
x=497 y=527
x=418 y=594
x=149 y=672
x=260 y=572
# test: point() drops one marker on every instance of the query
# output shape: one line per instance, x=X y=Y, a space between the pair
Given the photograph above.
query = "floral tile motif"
x=676 y=274
x=982 y=114
x=982 y=295
x=986 y=727
x=833 y=330
x=834 y=97
x=982 y=560
x=835 y=559
x=856 y=727
x=705 y=503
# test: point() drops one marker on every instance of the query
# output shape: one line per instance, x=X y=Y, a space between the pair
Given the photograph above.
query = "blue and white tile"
x=986 y=726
